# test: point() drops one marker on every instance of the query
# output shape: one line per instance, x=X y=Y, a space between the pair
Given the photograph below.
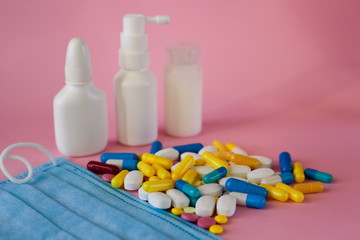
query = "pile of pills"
x=196 y=182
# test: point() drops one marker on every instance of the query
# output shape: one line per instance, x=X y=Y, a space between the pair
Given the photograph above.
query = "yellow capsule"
x=219 y=146
x=216 y=229
x=214 y=161
x=161 y=171
x=238 y=159
x=151 y=158
x=294 y=194
x=198 y=183
x=298 y=172
x=200 y=162
x=221 y=219
x=312 y=187
x=154 y=178
x=146 y=169
x=177 y=211
x=158 y=186
x=183 y=167
x=275 y=193
x=190 y=176
x=118 y=180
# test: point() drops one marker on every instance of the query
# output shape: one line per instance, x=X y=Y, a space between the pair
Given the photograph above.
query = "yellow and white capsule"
x=294 y=194
x=298 y=172
x=219 y=145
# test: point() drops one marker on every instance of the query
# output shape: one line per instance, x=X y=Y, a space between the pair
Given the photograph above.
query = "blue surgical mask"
x=61 y=200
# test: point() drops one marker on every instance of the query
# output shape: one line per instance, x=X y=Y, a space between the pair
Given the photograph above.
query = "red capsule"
x=99 y=167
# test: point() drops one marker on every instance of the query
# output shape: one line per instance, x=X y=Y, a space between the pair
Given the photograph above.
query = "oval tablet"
x=265 y=162
x=203 y=170
x=159 y=200
x=211 y=189
x=226 y=205
x=205 y=206
x=189 y=217
x=178 y=198
x=208 y=148
x=168 y=153
x=107 y=177
x=133 y=180
x=143 y=195
x=257 y=175
x=205 y=222
x=238 y=171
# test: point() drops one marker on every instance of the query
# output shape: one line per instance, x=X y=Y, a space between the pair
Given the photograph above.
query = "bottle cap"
x=77 y=65
x=183 y=53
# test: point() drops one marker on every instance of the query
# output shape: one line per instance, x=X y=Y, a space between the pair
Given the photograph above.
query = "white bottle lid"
x=183 y=53
x=77 y=66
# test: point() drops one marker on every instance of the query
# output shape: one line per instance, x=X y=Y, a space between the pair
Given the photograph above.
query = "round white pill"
x=208 y=148
x=143 y=195
x=238 y=171
x=205 y=206
x=133 y=180
x=257 y=175
x=211 y=189
x=226 y=205
x=265 y=162
x=159 y=200
x=178 y=198
x=168 y=153
x=194 y=155
x=203 y=170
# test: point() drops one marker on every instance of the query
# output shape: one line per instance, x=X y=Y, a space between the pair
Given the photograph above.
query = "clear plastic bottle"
x=80 y=109
x=183 y=91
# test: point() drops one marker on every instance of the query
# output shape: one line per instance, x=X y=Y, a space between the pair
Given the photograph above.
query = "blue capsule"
x=193 y=201
x=235 y=185
x=215 y=175
x=285 y=162
x=287 y=177
x=188 y=189
x=249 y=200
x=194 y=147
x=155 y=147
x=107 y=156
x=318 y=175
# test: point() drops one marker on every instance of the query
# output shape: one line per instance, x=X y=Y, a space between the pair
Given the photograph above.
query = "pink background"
x=278 y=76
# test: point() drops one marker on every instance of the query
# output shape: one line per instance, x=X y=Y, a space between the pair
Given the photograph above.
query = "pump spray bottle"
x=135 y=85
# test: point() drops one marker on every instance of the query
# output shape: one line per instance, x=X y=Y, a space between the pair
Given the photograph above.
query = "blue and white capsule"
x=249 y=200
x=194 y=147
x=191 y=191
x=318 y=175
x=285 y=162
x=119 y=156
x=286 y=178
x=155 y=147
x=127 y=164
x=235 y=185
x=215 y=175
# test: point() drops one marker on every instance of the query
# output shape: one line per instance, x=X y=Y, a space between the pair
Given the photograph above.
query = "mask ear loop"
x=4 y=156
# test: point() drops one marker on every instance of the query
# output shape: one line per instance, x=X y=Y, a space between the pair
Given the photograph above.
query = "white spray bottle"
x=80 y=111
x=135 y=85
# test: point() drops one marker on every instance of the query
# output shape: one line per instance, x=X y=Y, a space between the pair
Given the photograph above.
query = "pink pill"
x=107 y=177
x=189 y=217
x=206 y=222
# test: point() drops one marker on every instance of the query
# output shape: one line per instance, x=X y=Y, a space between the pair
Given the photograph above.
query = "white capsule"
x=222 y=181
x=265 y=162
x=178 y=198
x=194 y=155
x=258 y=174
x=240 y=151
x=168 y=153
x=238 y=171
x=226 y=205
x=133 y=180
x=271 y=180
x=208 y=148
x=159 y=200
x=203 y=170
x=205 y=206
x=211 y=189
x=143 y=195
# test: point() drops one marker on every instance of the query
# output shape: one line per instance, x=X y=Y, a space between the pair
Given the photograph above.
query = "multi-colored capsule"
x=188 y=189
x=294 y=194
x=215 y=175
x=286 y=178
x=158 y=186
x=235 y=149
x=119 y=156
x=219 y=146
x=194 y=147
x=312 y=187
x=318 y=175
x=298 y=172
x=276 y=193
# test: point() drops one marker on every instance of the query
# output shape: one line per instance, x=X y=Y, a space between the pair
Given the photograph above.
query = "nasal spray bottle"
x=135 y=85
x=80 y=111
